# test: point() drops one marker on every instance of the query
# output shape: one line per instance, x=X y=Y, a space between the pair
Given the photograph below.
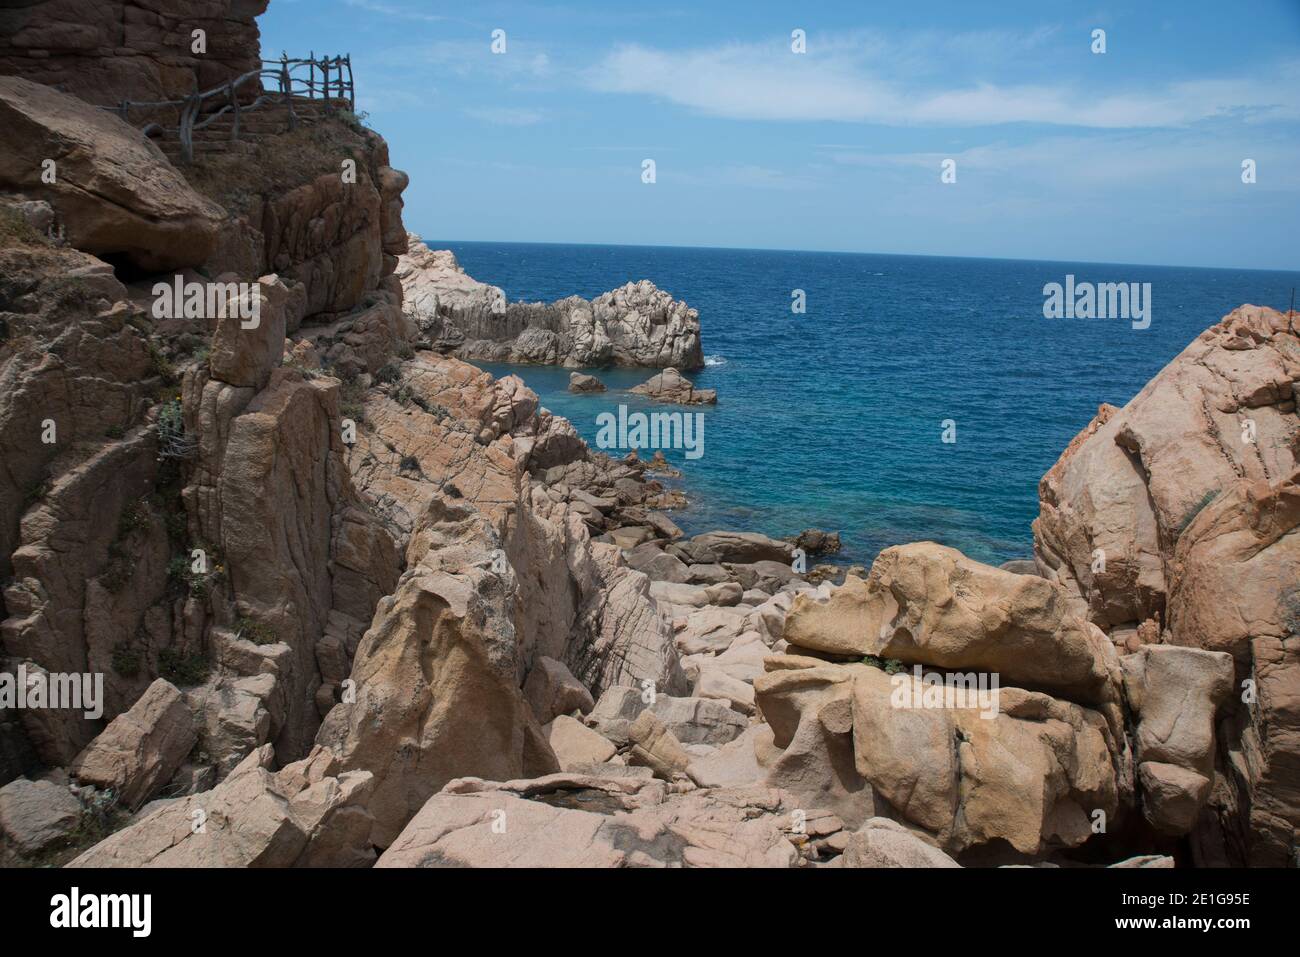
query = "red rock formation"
x=106 y=51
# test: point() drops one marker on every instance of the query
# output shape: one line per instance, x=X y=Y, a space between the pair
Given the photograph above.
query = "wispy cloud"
x=846 y=82
x=470 y=58
x=1189 y=163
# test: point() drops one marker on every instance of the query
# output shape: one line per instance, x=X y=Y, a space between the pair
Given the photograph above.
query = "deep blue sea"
x=833 y=418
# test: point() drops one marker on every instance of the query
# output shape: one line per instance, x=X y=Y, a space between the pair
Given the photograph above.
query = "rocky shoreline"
x=354 y=602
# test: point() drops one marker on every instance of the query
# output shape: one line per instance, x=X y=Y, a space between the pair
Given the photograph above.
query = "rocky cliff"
x=107 y=51
x=352 y=599
x=1173 y=522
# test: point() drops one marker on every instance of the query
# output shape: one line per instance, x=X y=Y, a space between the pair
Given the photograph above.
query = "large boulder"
x=808 y=707
x=582 y=382
x=928 y=604
x=1032 y=772
x=243 y=354
x=114 y=192
x=140 y=750
x=575 y=745
x=881 y=842
x=672 y=387
x=35 y=815
x=742 y=547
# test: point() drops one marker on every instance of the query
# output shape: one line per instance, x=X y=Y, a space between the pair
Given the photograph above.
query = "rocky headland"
x=353 y=599
x=635 y=325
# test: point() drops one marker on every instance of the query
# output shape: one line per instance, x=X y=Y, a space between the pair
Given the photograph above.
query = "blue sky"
x=1133 y=155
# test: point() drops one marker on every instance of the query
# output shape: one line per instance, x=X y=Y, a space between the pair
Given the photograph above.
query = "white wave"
x=715 y=360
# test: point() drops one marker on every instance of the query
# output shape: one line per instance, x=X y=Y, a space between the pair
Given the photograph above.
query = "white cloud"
x=846 y=82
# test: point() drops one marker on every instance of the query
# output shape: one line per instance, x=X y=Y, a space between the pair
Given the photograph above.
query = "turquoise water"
x=833 y=418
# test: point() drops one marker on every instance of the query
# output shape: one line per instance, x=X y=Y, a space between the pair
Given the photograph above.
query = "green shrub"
x=255 y=632
x=353 y=121
x=183 y=670
x=178 y=571
x=174 y=443
x=161 y=365
x=890 y=666
x=352 y=401
x=126 y=660
x=134 y=517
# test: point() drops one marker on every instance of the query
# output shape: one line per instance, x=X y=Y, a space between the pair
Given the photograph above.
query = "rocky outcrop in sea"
x=637 y=324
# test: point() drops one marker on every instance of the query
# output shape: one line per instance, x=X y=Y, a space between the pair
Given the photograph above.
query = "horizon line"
x=851 y=252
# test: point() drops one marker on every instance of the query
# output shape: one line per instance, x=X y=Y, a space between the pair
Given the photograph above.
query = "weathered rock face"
x=306 y=564
x=444 y=592
x=809 y=710
x=106 y=51
x=551 y=690
x=1176 y=515
x=1235 y=591
x=1134 y=480
x=1175 y=693
x=115 y=194
x=308 y=814
x=327 y=234
x=635 y=325
x=631 y=823
x=437 y=694
x=469 y=440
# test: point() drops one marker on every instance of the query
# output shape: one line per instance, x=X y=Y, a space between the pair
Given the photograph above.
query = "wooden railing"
x=286 y=82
